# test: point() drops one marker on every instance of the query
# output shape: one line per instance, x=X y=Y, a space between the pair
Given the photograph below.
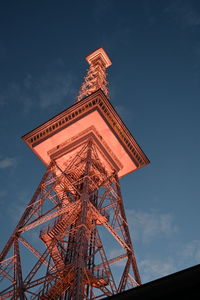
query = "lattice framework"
x=75 y=204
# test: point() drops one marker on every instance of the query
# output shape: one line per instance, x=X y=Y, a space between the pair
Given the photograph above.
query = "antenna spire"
x=96 y=75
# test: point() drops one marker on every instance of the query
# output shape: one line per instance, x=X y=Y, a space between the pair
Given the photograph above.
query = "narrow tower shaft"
x=96 y=74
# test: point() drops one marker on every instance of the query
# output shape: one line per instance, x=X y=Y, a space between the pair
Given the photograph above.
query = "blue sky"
x=154 y=85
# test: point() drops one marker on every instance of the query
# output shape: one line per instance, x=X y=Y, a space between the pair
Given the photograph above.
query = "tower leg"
x=82 y=233
x=131 y=255
x=80 y=205
x=18 y=287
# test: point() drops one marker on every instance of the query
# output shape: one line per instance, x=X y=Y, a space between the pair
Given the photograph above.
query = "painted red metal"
x=96 y=75
x=74 y=232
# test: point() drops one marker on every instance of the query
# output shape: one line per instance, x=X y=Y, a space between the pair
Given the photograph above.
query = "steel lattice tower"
x=73 y=233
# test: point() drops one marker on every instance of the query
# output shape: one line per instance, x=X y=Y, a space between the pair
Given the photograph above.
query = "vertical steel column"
x=81 y=235
x=19 y=289
x=131 y=255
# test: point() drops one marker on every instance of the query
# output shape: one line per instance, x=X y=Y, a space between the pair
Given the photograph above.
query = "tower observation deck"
x=77 y=214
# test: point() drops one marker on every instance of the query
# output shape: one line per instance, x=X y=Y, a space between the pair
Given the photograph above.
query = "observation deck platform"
x=94 y=116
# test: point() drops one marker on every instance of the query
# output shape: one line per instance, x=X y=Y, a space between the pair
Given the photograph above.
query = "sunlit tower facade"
x=73 y=241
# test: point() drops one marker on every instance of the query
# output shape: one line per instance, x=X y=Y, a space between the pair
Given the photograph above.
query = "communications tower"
x=73 y=241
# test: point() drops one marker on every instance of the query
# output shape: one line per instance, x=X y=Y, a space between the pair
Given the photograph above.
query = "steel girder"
x=72 y=237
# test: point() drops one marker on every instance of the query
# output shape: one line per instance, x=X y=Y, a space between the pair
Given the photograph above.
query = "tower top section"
x=92 y=116
x=95 y=78
x=99 y=54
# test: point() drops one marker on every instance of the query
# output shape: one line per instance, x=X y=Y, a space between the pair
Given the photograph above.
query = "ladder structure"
x=73 y=241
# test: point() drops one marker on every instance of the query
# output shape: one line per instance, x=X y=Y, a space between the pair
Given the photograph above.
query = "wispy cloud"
x=124 y=112
x=53 y=88
x=184 y=256
x=7 y=162
x=121 y=34
x=114 y=252
x=16 y=92
x=183 y=13
x=2 y=51
x=3 y=193
x=148 y=225
x=50 y=88
x=191 y=252
x=101 y=9
x=155 y=268
x=17 y=207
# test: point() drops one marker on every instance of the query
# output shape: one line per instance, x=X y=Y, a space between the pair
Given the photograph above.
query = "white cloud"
x=16 y=92
x=2 y=101
x=148 y=225
x=184 y=256
x=53 y=88
x=124 y=112
x=3 y=194
x=114 y=252
x=155 y=268
x=17 y=207
x=101 y=9
x=191 y=252
x=50 y=88
x=7 y=162
x=183 y=13
x=3 y=51
x=28 y=81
